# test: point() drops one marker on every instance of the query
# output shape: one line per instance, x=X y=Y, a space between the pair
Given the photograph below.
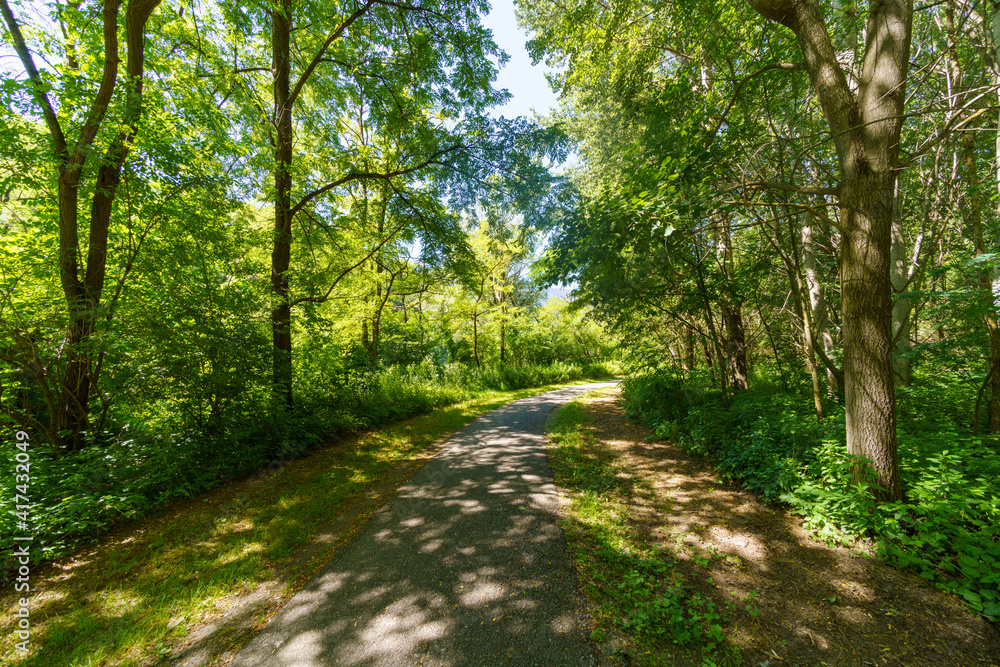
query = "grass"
x=135 y=596
x=642 y=604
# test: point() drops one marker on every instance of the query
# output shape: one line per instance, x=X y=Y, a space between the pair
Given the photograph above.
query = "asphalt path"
x=465 y=565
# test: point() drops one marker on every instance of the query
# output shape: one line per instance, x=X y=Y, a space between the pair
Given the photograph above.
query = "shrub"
x=138 y=469
x=948 y=525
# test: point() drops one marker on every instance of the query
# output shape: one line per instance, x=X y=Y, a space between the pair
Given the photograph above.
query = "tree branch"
x=357 y=176
x=788 y=187
x=37 y=87
x=342 y=274
x=805 y=207
x=331 y=38
x=109 y=78
x=745 y=80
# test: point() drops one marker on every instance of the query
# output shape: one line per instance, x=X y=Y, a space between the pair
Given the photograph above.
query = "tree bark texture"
x=736 y=346
x=865 y=127
x=281 y=312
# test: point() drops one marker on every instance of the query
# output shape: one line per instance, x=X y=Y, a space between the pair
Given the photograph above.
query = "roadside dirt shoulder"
x=815 y=604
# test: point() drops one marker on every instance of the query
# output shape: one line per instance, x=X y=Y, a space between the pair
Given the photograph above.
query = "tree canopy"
x=232 y=230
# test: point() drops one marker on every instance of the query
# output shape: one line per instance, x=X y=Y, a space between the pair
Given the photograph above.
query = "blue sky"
x=526 y=83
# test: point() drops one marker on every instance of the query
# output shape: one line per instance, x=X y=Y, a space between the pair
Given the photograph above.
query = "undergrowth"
x=947 y=527
x=157 y=456
x=636 y=588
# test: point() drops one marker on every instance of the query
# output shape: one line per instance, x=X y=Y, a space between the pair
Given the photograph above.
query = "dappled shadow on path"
x=466 y=565
x=815 y=604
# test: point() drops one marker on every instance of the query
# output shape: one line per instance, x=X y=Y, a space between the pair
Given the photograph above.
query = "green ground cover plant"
x=946 y=528
x=637 y=589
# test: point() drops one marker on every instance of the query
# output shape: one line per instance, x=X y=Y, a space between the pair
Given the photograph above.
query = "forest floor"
x=780 y=597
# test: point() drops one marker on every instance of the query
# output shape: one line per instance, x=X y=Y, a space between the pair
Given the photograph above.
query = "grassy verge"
x=144 y=592
x=643 y=605
x=158 y=451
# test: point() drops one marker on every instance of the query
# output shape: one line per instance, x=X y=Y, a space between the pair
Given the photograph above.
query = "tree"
x=866 y=127
x=113 y=118
x=495 y=280
x=705 y=62
x=419 y=77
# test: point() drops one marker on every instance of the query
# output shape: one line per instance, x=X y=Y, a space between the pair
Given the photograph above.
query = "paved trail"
x=464 y=566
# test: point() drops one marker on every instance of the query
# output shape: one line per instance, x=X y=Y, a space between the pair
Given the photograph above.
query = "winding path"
x=465 y=565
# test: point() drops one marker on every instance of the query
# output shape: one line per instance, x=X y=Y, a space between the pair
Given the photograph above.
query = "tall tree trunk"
x=973 y=208
x=793 y=262
x=865 y=128
x=713 y=333
x=735 y=337
x=83 y=293
x=420 y=323
x=994 y=61
x=808 y=341
x=736 y=346
x=503 y=333
x=869 y=395
x=281 y=313
x=475 y=336
x=376 y=332
x=820 y=329
x=709 y=360
x=501 y=297
x=901 y=307
x=380 y=300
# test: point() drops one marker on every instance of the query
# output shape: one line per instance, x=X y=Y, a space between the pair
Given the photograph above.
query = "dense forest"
x=232 y=231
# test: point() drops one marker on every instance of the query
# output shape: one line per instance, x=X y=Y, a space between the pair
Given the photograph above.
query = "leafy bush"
x=947 y=528
x=75 y=496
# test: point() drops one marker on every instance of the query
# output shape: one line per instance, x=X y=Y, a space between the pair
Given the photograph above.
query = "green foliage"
x=637 y=590
x=947 y=528
x=392 y=148
x=519 y=377
x=77 y=496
